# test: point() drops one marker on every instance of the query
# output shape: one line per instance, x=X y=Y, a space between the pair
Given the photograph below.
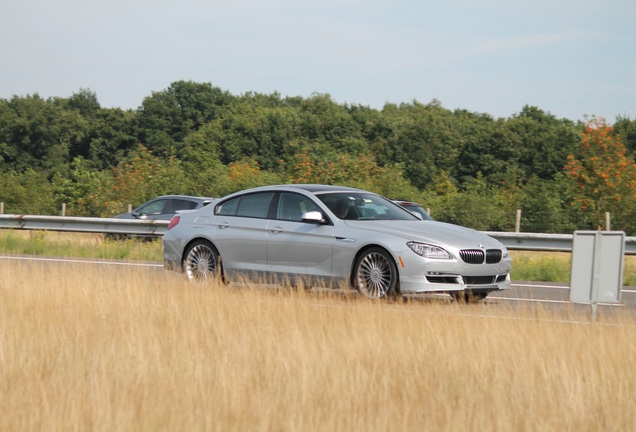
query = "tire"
x=375 y=274
x=202 y=262
x=468 y=296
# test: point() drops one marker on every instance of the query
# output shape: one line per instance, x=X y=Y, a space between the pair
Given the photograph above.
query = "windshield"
x=363 y=206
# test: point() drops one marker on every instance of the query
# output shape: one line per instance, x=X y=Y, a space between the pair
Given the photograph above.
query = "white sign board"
x=597 y=266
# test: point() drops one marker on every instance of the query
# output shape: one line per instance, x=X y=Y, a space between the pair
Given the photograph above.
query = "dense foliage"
x=192 y=138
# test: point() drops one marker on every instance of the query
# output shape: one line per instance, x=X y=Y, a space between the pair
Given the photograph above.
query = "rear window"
x=179 y=204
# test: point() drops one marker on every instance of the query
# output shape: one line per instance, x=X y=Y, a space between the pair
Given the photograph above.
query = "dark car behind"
x=166 y=206
x=415 y=208
x=162 y=208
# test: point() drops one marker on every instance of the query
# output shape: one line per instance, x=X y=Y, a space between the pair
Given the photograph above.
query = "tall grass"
x=85 y=348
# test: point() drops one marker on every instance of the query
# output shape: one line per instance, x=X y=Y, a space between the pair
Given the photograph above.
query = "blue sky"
x=569 y=58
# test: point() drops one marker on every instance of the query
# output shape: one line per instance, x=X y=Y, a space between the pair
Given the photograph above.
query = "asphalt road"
x=549 y=292
x=545 y=293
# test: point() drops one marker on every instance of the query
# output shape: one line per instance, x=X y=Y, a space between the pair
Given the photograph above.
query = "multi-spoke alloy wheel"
x=201 y=261
x=375 y=274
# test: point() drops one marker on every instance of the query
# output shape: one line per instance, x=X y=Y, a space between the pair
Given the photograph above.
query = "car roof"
x=201 y=198
x=312 y=188
x=406 y=203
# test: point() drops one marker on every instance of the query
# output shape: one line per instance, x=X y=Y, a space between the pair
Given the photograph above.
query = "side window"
x=153 y=208
x=178 y=204
x=255 y=205
x=292 y=206
x=228 y=208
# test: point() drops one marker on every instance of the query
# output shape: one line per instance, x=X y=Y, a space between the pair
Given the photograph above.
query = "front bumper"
x=453 y=282
x=420 y=275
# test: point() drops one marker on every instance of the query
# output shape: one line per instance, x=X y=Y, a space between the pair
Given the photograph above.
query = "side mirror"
x=314 y=217
x=417 y=215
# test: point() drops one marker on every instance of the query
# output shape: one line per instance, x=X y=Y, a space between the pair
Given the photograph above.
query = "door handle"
x=276 y=230
x=224 y=225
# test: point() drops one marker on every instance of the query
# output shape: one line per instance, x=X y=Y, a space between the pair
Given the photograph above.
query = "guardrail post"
x=129 y=208
x=63 y=209
x=518 y=221
x=607 y=221
x=1 y=208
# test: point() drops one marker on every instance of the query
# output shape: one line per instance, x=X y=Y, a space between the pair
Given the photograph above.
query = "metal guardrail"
x=84 y=224
x=512 y=240
x=547 y=242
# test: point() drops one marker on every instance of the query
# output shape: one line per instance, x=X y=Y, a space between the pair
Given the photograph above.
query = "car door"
x=241 y=233
x=297 y=249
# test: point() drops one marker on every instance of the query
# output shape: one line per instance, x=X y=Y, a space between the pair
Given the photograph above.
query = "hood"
x=430 y=232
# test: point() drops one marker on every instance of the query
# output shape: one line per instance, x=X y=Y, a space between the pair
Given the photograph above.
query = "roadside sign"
x=597 y=266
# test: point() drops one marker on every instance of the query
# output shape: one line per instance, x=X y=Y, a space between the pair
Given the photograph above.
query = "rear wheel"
x=375 y=274
x=201 y=261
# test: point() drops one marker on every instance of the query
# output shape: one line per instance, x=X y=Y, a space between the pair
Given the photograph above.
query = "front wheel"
x=201 y=261
x=375 y=274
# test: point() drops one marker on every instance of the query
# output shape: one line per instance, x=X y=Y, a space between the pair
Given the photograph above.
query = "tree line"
x=198 y=139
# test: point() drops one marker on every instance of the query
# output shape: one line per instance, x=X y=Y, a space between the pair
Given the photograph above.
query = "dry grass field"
x=128 y=349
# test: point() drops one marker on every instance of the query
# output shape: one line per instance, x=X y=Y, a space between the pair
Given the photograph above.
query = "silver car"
x=333 y=236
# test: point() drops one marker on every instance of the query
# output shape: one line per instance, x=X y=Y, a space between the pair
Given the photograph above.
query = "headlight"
x=429 y=250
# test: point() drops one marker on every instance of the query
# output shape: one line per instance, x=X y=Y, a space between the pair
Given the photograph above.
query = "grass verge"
x=78 y=245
